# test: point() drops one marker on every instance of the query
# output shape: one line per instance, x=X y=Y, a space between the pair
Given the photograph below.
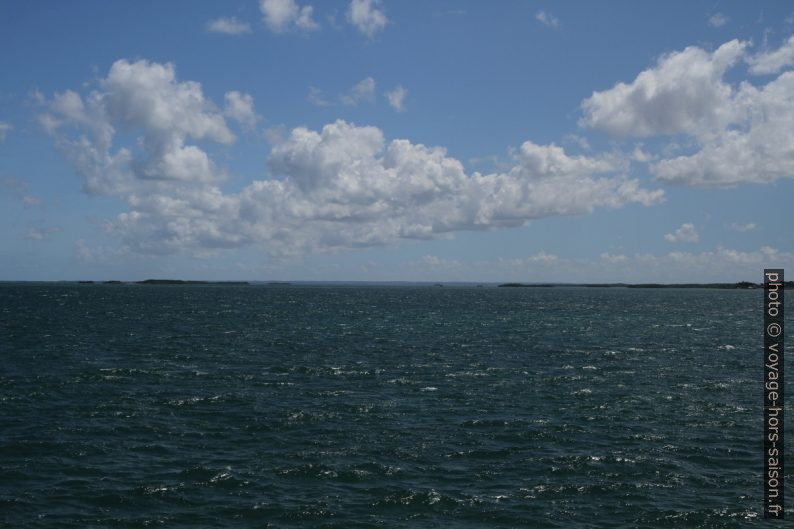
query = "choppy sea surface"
x=364 y=406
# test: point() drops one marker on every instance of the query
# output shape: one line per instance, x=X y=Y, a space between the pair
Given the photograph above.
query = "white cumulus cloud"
x=739 y=132
x=686 y=233
x=756 y=146
x=228 y=26
x=316 y=97
x=364 y=90
x=144 y=99
x=773 y=61
x=717 y=20
x=396 y=98
x=285 y=15
x=744 y=228
x=547 y=19
x=5 y=128
x=683 y=93
x=361 y=92
x=240 y=107
x=367 y=16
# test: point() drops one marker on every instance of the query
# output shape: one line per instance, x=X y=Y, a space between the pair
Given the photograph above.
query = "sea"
x=379 y=406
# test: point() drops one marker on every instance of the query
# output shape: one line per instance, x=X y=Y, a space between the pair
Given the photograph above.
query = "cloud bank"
x=142 y=135
x=716 y=265
x=147 y=137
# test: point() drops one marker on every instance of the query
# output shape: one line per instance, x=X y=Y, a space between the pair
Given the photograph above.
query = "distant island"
x=187 y=282
x=522 y=285
x=165 y=282
x=740 y=285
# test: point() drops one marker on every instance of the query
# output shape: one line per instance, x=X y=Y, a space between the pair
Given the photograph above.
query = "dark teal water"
x=353 y=407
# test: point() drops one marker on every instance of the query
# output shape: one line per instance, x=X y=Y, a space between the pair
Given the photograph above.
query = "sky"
x=371 y=140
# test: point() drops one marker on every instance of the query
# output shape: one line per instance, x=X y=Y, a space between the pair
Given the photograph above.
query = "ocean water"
x=365 y=406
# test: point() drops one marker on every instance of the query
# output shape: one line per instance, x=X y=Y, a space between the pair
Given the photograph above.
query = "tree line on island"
x=740 y=285
x=166 y=282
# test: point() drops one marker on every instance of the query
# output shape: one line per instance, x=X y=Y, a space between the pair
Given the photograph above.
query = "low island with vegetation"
x=740 y=285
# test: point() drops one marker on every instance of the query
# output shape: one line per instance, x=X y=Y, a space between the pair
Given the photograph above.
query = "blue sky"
x=365 y=140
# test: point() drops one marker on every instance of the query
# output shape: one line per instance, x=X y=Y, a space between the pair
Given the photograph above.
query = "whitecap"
x=221 y=476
